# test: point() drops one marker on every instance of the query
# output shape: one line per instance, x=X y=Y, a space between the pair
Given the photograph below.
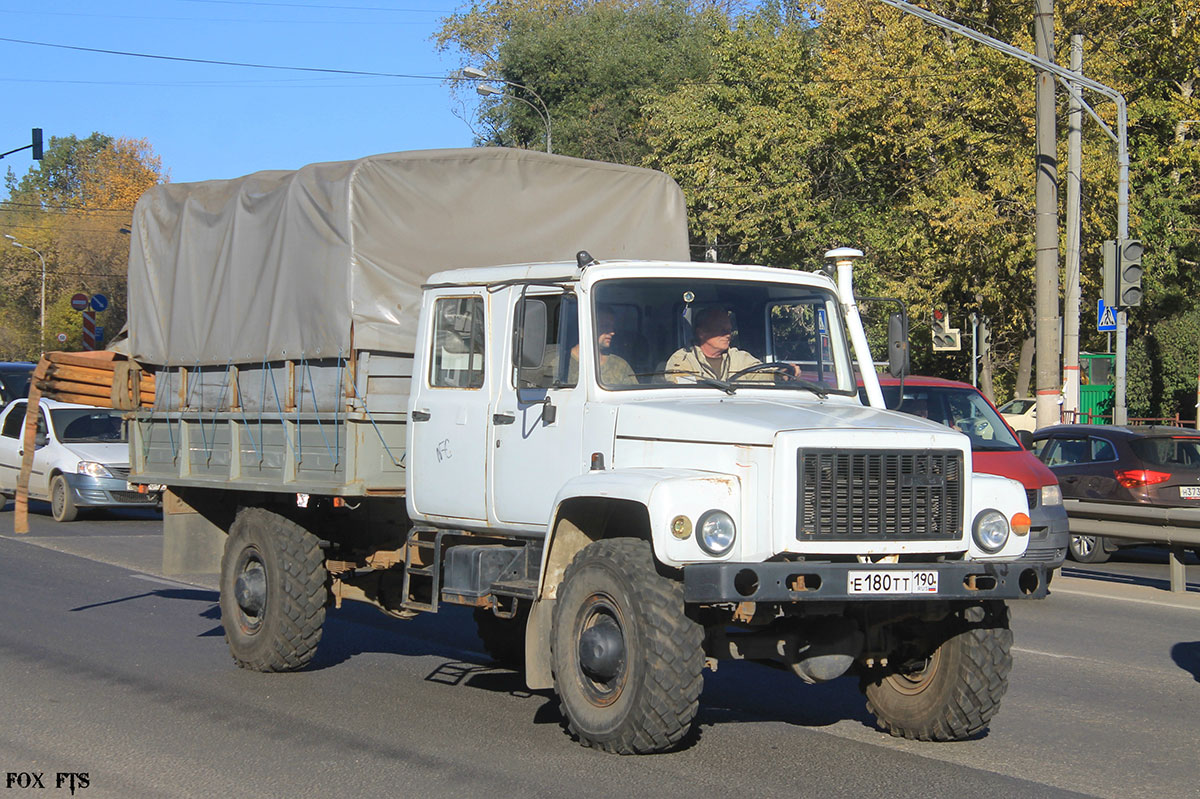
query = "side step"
x=418 y=539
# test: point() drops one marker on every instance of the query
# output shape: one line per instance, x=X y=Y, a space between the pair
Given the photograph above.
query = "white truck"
x=520 y=446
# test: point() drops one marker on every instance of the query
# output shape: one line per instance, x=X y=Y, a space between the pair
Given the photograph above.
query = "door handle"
x=419 y=416
x=503 y=418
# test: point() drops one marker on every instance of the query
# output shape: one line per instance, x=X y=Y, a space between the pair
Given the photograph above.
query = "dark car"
x=1136 y=465
x=14 y=380
x=994 y=450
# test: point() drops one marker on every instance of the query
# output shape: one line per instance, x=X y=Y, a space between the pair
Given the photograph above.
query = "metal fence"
x=1086 y=417
x=1176 y=528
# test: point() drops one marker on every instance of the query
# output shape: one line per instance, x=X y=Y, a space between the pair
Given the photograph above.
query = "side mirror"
x=531 y=337
x=1026 y=438
x=898 y=344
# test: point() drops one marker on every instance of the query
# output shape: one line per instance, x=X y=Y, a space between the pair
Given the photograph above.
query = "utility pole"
x=1046 y=362
x=1074 y=179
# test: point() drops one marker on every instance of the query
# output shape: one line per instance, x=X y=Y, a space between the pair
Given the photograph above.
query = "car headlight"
x=93 y=469
x=990 y=530
x=1051 y=495
x=715 y=532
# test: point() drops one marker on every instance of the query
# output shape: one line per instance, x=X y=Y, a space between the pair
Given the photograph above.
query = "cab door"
x=536 y=439
x=448 y=414
x=12 y=451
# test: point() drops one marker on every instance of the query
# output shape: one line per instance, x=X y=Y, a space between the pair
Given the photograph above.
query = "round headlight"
x=990 y=530
x=715 y=532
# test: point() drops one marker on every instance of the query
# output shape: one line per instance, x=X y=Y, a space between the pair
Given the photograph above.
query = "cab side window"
x=14 y=420
x=546 y=347
x=458 y=343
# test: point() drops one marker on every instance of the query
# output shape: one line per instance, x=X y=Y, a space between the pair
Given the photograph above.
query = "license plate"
x=151 y=488
x=1189 y=492
x=881 y=581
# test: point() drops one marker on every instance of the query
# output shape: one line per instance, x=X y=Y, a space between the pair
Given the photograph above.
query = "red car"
x=995 y=449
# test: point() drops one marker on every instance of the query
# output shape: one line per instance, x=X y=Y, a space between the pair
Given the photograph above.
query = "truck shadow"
x=738 y=692
x=1187 y=657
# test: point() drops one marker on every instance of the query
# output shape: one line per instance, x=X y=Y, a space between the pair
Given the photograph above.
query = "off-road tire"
x=279 y=628
x=62 y=506
x=649 y=705
x=954 y=696
x=1087 y=549
x=503 y=639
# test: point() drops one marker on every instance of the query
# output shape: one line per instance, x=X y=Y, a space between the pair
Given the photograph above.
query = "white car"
x=81 y=458
x=1020 y=414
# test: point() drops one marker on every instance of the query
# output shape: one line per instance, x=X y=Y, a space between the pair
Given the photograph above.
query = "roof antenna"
x=584 y=259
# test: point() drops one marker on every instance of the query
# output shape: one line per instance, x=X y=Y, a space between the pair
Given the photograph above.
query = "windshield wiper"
x=696 y=380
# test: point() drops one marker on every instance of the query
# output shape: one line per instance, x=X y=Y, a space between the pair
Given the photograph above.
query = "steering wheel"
x=765 y=366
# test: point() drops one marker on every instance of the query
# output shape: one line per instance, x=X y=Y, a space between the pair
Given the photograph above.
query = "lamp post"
x=42 y=325
x=485 y=90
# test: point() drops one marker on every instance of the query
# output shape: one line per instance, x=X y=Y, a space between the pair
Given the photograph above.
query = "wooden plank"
x=21 y=508
x=79 y=374
x=84 y=399
x=94 y=360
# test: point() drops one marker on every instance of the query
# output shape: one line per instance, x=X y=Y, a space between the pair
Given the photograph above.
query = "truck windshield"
x=724 y=334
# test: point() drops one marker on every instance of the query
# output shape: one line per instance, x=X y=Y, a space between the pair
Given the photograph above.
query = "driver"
x=712 y=355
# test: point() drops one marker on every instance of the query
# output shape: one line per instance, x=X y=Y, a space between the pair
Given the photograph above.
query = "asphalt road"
x=109 y=668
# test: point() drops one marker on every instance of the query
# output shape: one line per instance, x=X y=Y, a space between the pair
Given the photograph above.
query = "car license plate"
x=1189 y=492
x=889 y=581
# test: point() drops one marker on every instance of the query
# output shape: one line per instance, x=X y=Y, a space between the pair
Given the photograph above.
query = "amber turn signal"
x=1020 y=524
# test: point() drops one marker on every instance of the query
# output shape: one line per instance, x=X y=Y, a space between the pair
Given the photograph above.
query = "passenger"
x=614 y=370
x=713 y=355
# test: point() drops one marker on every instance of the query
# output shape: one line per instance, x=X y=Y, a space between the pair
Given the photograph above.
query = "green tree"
x=593 y=65
x=71 y=209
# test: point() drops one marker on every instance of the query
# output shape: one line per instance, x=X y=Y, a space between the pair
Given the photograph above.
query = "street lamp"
x=485 y=90
x=42 y=326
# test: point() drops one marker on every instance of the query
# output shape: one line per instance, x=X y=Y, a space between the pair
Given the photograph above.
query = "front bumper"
x=107 y=492
x=1048 y=537
x=715 y=583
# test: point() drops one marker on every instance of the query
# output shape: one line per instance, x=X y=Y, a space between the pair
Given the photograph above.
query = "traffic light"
x=1129 y=273
x=945 y=338
x=1110 y=273
x=37 y=144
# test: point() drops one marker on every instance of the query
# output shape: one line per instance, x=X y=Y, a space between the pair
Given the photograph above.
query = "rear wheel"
x=272 y=592
x=1087 y=549
x=627 y=661
x=62 y=504
x=949 y=695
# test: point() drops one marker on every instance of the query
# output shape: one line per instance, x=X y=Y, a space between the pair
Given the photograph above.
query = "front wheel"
x=1087 y=549
x=628 y=663
x=949 y=695
x=272 y=592
x=62 y=504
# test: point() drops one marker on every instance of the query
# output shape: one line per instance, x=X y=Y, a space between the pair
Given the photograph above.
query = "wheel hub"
x=602 y=650
x=250 y=591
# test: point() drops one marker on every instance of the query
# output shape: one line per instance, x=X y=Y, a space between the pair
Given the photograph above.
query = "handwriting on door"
x=443 y=450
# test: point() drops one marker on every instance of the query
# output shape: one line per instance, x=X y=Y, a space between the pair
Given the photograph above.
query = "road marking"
x=173 y=583
x=1047 y=654
x=1095 y=595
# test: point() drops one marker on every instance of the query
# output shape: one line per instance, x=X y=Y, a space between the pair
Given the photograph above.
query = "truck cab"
x=581 y=410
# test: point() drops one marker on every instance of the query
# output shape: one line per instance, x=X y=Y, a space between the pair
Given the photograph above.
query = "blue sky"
x=210 y=121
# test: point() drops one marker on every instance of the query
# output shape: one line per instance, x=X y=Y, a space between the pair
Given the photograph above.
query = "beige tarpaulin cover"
x=279 y=265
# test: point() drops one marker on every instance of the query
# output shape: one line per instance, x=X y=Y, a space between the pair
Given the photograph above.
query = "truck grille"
x=874 y=495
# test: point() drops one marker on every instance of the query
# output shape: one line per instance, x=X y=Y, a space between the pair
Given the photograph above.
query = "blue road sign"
x=1106 y=318
x=99 y=302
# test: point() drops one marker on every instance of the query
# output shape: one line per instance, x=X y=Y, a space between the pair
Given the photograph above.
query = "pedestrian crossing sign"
x=1106 y=318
